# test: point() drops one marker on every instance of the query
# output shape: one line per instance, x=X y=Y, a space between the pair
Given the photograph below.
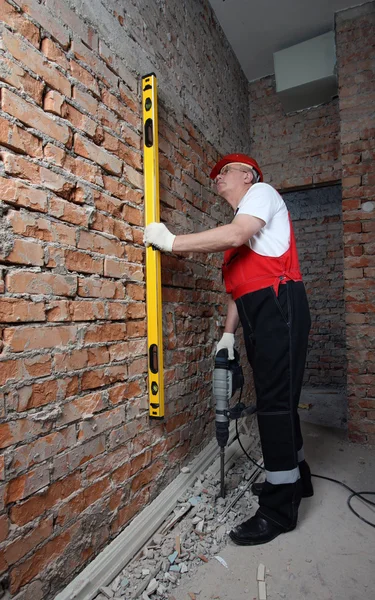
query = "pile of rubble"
x=194 y=533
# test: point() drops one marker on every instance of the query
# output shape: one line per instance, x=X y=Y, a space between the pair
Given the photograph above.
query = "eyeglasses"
x=228 y=168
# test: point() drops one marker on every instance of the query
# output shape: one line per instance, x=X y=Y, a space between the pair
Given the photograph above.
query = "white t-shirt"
x=264 y=202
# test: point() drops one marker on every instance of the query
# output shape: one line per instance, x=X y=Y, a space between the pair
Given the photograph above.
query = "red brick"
x=107 y=224
x=35 y=395
x=98 y=288
x=100 y=423
x=117 y=311
x=133 y=176
x=21 y=430
x=136 y=329
x=87 y=311
x=19 y=23
x=135 y=292
x=33 y=116
x=20 y=167
x=43 y=16
x=82 y=408
x=132 y=507
x=79 y=120
x=20 y=339
x=87 y=149
x=83 y=262
x=82 y=53
x=53 y=53
x=14 y=75
x=69 y=461
x=29 y=225
x=17 y=193
x=22 y=513
x=30 y=282
x=107 y=463
x=13 y=310
x=108 y=119
x=79 y=503
x=133 y=215
x=26 y=571
x=147 y=475
x=36 y=62
x=26 y=253
x=67 y=211
x=86 y=101
x=22 y=545
x=4 y=527
x=19 y=140
x=122 y=191
x=26 y=485
x=95 y=242
x=9 y=370
x=53 y=102
x=105 y=376
x=108 y=332
x=84 y=77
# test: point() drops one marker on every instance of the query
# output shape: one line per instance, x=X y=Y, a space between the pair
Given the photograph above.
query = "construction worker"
x=267 y=295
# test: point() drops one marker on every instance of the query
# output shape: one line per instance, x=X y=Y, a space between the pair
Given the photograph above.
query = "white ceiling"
x=258 y=28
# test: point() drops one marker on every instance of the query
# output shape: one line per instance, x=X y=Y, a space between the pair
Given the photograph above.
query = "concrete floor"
x=331 y=553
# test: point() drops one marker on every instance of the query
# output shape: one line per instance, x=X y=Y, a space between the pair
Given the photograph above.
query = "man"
x=262 y=275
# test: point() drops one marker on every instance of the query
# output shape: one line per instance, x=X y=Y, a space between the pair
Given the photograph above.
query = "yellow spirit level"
x=153 y=270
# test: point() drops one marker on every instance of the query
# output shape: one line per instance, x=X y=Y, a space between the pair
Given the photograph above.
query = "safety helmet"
x=236 y=158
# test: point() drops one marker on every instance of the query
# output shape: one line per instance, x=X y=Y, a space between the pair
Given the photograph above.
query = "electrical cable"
x=352 y=495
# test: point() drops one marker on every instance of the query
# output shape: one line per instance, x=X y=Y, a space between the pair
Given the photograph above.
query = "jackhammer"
x=227 y=379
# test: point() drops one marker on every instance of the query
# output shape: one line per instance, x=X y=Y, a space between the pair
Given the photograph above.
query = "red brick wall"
x=295 y=150
x=355 y=31
x=78 y=454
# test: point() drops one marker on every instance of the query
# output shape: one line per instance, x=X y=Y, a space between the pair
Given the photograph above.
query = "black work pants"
x=276 y=330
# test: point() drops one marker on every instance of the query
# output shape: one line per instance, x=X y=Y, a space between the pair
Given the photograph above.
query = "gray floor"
x=331 y=554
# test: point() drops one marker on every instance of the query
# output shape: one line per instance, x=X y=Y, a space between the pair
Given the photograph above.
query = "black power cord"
x=353 y=493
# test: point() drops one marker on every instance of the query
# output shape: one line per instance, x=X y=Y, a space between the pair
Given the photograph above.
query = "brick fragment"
x=53 y=102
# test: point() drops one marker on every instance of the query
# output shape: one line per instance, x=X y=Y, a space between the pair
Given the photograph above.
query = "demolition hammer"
x=227 y=379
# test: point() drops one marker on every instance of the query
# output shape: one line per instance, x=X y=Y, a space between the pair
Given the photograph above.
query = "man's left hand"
x=158 y=236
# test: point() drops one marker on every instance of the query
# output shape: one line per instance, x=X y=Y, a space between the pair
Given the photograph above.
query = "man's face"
x=232 y=178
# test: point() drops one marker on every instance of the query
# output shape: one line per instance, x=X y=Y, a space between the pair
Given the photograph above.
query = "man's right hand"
x=227 y=341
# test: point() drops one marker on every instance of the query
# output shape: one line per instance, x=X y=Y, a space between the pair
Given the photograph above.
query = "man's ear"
x=249 y=177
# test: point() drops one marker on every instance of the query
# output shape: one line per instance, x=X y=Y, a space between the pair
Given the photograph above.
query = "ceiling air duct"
x=305 y=73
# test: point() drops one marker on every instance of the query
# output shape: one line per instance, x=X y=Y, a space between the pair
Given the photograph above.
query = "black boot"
x=254 y=531
x=307 y=488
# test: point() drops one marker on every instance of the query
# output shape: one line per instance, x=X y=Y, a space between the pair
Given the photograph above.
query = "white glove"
x=227 y=341
x=159 y=236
